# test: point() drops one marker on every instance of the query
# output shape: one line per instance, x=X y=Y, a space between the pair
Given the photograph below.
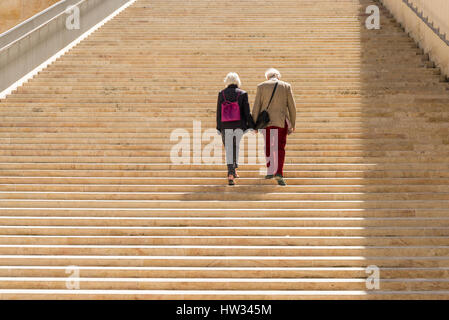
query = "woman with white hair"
x=233 y=119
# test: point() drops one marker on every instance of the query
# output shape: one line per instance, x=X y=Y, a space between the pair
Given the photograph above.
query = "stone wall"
x=12 y=12
x=438 y=12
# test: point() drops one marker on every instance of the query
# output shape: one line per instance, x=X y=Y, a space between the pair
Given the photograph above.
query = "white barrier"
x=31 y=43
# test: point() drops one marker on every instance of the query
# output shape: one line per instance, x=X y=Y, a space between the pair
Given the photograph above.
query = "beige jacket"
x=282 y=107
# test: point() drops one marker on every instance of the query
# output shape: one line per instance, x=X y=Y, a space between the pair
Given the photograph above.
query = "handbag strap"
x=272 y=95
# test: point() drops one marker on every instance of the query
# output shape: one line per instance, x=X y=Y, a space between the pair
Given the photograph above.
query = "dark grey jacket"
x=246 y=120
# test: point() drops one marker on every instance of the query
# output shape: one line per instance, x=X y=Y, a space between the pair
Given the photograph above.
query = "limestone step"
x=42 y=294
x=206 y=195
x=207 y=204
x=98 y=167
x=318 y=113
x=251 y=188
x=344 y=95
x=220 y=261
x=224 y=241
x=324 y=104
x=303 y=122
x=187 y=181
x=224 y=231
x=227 y=221
x=215 y=173
x=72 y=86
x=220 y=212
x=10 y=144
x=215 y=272
x=139 y=154
x=260 y=284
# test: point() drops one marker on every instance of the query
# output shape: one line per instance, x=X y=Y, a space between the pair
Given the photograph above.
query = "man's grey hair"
x=232 y=78
x=272 y=72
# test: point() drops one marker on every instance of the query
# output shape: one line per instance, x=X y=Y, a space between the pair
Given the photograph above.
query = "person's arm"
x=257 y=105
x=219 y=112
x=291 y=107
x=246 y=110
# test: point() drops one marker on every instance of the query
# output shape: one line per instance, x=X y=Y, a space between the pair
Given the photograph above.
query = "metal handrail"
x=426 y=21
x=31 y=18
x=37 y=28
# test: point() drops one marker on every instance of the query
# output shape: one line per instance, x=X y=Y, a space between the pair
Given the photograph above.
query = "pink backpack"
x=230 y=111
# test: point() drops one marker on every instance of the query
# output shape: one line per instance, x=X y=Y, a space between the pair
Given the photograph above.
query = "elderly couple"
x=274 y=113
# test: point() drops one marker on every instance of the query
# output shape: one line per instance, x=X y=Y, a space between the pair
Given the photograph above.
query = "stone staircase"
x=86 y=177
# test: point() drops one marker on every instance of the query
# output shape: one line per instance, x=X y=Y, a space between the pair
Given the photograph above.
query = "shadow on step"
x=404 y=121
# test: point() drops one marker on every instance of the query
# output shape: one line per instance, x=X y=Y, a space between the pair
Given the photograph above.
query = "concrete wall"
x=28 y=46
x=438 y=12
x=12 y=12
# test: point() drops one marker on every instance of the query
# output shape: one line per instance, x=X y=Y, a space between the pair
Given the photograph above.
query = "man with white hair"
x=275 y=97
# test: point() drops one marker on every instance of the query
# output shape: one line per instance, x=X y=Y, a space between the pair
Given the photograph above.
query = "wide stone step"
x=42 y=294
x=260 y=284
x=216 y=272
x=206 y=195
x=219 y=212
x=226 y=241
x=91 y=145
x=223 y=231
x=150 y=119
x=377 y=105
x=218 y=173
x=392 y=158
x=98 y=167
x=166 y=114
x=186 y=202
x=179 y=99
x=220 y=261
x=187 y=181
x=227 y=221
x=40 y=86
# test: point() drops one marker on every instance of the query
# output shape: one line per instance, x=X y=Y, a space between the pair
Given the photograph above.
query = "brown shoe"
x=280 y=180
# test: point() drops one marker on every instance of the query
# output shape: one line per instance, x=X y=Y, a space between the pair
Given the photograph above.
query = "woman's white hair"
x=232 y=78
x=272 y=72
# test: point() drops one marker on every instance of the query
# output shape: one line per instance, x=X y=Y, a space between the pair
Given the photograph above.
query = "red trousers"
x=275 y=141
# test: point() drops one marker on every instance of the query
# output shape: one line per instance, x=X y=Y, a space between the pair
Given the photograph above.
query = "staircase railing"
x=76 y=3
x=36 y=40
x=38 y=19
x=431 y=37
x=426 y=20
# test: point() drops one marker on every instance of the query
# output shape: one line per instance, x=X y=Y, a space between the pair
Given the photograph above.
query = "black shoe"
x=280 y=180
x=231 y=181
x=269 y=176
